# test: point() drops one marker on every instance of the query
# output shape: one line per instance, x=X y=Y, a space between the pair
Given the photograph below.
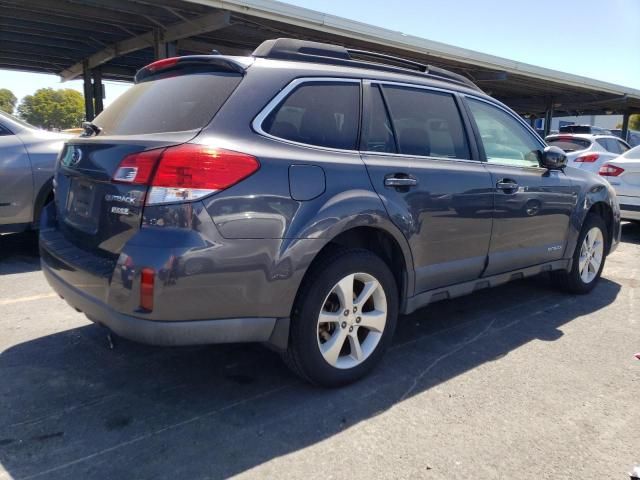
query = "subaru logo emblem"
x=72 y=156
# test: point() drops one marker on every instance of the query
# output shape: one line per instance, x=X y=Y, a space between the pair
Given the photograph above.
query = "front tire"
x=588 y=258
x=344 y=318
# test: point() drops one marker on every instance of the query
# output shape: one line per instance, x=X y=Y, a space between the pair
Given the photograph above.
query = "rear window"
x=174 y=104
x=325 y=114
x=569 y=144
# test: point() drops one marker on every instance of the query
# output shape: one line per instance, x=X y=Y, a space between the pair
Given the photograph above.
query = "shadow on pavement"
x=73 y=408
x=631 y=233
x=19 y=253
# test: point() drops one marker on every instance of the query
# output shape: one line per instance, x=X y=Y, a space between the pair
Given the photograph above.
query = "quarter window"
x=426 y=123
x=609 y=144
x=378 y=134
x=623 y=146
x=504 y=139
x=325 y=114
x=612 y=145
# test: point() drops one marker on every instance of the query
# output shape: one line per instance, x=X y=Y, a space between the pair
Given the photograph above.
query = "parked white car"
x=588 y=151
x=623 y=173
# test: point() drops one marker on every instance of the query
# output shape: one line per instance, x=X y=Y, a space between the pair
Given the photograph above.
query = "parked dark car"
x=584 y=129
x=306 y=196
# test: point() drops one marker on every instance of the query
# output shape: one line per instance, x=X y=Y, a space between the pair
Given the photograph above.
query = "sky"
x=23 y=83
x=596 y=39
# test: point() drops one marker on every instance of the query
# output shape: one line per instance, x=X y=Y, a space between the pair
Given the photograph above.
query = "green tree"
x=7 y=100
x=634 y=122
x=49 y=108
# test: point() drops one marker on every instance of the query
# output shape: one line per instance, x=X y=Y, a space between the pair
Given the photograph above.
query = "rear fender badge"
x=120 y=210
x=554 y=248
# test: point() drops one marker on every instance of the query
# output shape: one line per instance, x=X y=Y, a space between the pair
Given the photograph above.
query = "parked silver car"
x=27 y=161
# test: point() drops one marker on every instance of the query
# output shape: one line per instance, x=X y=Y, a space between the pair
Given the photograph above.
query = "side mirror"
x=553 y=158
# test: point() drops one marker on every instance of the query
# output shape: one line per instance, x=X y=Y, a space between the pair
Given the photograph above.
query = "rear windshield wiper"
x=91 y=129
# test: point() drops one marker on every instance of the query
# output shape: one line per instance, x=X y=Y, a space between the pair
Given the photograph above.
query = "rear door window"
x=173 y=104
x=325 y=114
x=426 y=123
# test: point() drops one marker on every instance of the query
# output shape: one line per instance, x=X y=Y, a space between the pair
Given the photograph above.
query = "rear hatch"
x=98 y=204
x=575 y=148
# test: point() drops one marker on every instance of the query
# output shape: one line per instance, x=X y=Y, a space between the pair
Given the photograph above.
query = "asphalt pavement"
x=521 y=381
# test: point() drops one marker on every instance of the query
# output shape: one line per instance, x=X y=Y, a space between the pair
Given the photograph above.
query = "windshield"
x=174 y=104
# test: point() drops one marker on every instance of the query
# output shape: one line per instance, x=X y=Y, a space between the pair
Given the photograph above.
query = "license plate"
x=81 y=199
x=80 y=206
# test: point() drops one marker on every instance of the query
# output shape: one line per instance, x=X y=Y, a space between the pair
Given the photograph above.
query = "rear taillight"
x=191 y=171
x=185 y=172
x=162 y=64
x=590 y=158
x=137 y=168
x=608 y=170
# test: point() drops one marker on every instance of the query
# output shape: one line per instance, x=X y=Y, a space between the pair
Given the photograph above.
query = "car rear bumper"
x=198 y=332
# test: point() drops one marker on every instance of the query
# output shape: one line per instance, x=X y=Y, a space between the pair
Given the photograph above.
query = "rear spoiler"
x=217 y=63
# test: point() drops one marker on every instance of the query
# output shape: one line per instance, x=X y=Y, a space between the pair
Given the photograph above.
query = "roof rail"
x=304 y=50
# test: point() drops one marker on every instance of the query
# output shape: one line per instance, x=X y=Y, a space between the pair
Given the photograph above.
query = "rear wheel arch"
x=44 y=196
x=379 y=241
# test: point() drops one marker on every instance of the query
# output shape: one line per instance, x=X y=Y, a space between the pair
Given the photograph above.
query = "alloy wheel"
x=591 y=254
x=352 y=320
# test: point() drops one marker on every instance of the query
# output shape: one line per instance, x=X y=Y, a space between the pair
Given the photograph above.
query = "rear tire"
x=343 y=319
x=588 y=259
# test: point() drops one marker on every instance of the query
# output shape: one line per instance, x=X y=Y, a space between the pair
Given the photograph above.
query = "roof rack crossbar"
x=304 y=50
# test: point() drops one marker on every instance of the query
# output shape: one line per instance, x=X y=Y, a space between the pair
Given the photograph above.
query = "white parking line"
x=27 y=299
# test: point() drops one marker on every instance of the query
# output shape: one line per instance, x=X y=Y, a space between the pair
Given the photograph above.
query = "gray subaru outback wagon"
x=304 y=197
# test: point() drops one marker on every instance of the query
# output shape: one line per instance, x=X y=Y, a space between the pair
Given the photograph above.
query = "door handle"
x=506 y=184
x=400 y=181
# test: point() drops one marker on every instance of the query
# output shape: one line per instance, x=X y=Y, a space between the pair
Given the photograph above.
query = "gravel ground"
x=517 y=382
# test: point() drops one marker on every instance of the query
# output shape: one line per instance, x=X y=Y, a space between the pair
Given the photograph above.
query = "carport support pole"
x=98 y=90
x=163 y=49
x=89 y=112
x=625 y=126
x=548 y=117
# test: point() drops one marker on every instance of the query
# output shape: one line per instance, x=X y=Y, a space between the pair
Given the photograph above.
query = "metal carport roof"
x=116 y=37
